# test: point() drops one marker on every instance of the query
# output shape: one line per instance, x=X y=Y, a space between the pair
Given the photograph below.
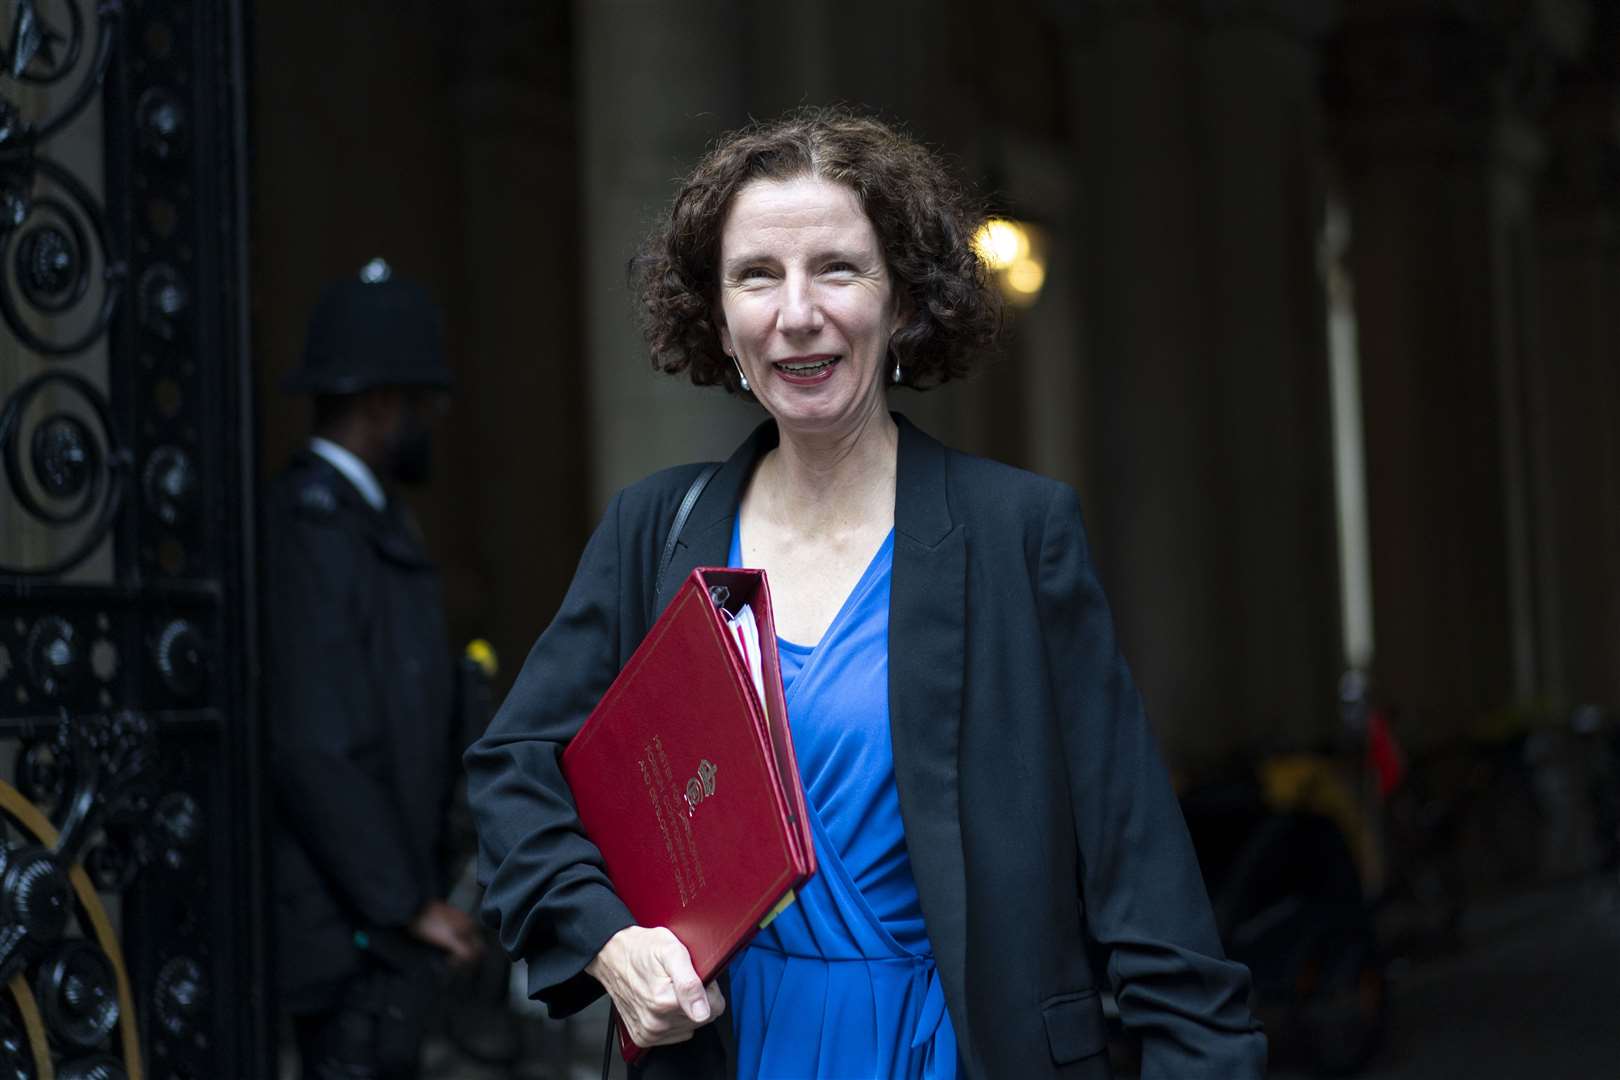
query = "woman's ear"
x=903 y=311
x=723 y=330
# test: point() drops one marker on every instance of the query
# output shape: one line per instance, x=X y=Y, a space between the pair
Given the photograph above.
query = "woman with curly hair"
x=993 y=826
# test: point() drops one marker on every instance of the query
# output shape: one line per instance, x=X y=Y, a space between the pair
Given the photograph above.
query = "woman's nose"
x=799 y=313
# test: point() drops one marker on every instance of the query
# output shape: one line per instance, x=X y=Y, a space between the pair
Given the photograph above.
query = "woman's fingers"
x=646 y=1039
x=717 y=1000
x=650 y=976
x=689 y=993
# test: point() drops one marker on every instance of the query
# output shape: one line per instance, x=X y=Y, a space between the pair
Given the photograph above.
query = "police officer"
x=361 y=692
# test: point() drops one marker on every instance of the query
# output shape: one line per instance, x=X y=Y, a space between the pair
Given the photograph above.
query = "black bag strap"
x=699 y=482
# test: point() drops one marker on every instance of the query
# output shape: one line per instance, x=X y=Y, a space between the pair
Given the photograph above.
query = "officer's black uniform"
x=360 y=719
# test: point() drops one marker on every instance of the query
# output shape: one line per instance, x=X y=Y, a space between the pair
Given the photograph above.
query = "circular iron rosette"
x=64 y=466
x=48 y=44
x=60 y=281
x=66 y=998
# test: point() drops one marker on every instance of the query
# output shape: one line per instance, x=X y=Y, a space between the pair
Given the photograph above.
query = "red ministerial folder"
x=686 y=781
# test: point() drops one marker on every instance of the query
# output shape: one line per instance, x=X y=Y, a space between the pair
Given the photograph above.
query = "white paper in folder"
x=745 y=632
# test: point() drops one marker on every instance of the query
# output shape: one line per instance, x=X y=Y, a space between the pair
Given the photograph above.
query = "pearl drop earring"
x=743 y=378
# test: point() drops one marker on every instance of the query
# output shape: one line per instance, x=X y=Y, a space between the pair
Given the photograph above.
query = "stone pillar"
x=1036 y=391
x=894 y=57
x=1207 y=425
x=519 y=422
x=1273 y=539
x=1438 y=155
x=656 y=83
x=1149 y=515
x=1575 y=383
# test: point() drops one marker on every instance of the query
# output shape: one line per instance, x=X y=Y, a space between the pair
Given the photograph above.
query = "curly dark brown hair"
x=923 y=218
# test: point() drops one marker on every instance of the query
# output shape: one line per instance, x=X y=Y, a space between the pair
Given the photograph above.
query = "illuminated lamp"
x=1015 y=254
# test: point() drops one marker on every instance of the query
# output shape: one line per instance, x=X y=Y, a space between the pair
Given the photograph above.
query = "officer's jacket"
x=359 y=720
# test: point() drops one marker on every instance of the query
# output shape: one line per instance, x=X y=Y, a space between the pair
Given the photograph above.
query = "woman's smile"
x=807 y=305
x=806 y=370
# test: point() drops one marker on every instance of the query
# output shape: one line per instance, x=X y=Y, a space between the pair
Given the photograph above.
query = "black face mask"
x=410 y=451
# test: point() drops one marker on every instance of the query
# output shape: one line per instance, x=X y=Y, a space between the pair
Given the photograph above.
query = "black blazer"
x=1045 y=838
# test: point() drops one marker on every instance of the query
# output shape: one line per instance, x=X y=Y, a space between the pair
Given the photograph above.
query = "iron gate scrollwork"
x=130 y=892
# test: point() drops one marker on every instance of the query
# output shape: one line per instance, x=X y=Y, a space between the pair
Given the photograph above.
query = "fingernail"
x=701 y=1009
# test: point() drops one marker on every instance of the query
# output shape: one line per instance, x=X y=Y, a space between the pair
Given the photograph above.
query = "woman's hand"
x=649 y=975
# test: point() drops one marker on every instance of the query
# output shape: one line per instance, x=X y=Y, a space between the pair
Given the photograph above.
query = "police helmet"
x=369 y=331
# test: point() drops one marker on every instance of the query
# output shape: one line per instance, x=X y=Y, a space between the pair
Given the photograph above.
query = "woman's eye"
x=753 y=273
x=839 y=268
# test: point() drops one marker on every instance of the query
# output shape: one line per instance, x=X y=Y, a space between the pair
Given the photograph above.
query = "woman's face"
x=806 y=303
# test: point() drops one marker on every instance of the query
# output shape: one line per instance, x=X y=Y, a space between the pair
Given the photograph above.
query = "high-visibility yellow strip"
x=28 y=815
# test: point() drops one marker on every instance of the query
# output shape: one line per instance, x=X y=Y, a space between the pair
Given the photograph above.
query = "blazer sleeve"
x=1145 y=899
x=547 y=891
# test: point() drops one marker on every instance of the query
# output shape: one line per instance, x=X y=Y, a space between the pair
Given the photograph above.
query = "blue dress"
x=843 y=984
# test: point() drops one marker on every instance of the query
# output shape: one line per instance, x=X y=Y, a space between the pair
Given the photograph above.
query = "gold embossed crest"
x=700 y=786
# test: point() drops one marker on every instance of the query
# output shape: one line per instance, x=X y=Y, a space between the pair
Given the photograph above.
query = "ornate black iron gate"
x=130 y=910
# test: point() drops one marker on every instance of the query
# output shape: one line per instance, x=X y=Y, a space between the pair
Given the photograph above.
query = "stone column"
x=1261 y=179
x=1575 y=383
x=519 y=423
x=1438 y=154
x=656 y=83
x=1148 y=430
x=1208 y=448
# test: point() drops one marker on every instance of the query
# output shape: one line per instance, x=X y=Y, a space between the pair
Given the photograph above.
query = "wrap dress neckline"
x=843 y=983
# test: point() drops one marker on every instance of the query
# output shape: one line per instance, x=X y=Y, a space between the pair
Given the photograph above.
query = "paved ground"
x=1534 y=994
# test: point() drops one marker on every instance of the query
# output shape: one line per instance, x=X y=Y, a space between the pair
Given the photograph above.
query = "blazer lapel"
x=927 y=631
